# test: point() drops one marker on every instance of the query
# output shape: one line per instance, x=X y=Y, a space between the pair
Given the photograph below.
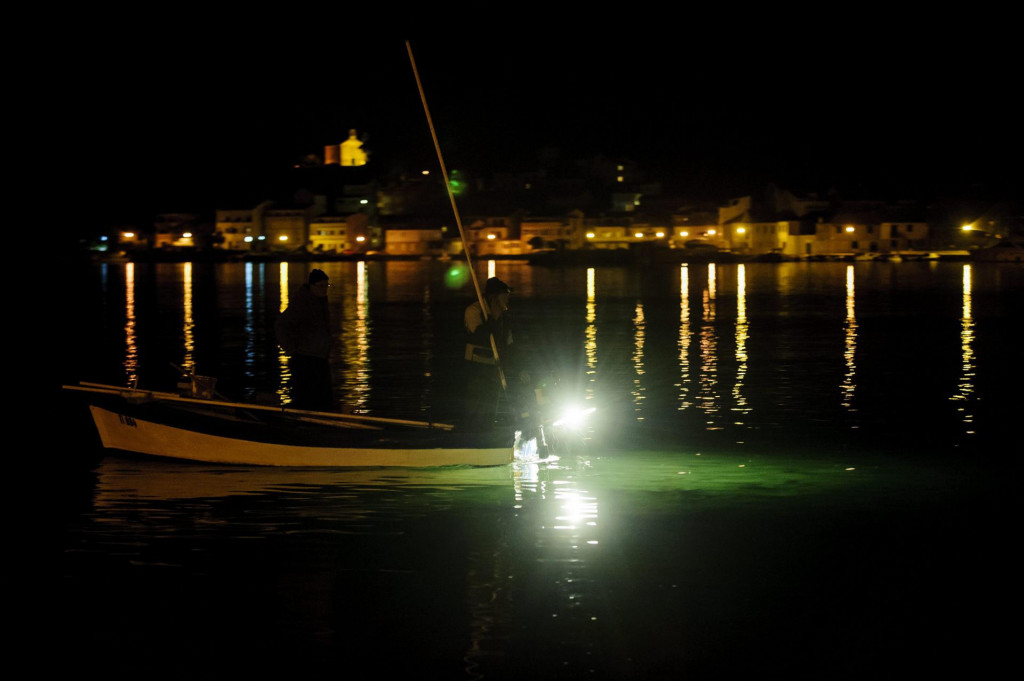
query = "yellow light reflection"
x=189 y=325
x=966 y=384
x=741 y=342
x=707 y=395
x=355 y=342
x=491 y=269
x=639 y=332
x=848 y=386
x=250 y=321
x=590 y=335
x=131 y=355
x=684 y=338
x=709 y=302
x=284 y=391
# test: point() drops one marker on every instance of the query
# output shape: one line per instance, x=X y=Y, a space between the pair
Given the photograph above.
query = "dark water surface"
x=793 y=469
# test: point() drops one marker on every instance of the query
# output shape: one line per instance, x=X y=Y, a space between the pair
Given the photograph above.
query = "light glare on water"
x=787 y=467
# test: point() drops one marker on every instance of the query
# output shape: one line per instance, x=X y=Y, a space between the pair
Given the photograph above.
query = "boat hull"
x=293 y=443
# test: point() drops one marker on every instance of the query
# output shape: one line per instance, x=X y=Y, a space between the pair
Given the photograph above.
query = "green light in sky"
x=457 y=276
x=456 y=183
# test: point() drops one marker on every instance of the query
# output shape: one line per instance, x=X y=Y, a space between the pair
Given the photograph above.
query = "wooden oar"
x=136 y=393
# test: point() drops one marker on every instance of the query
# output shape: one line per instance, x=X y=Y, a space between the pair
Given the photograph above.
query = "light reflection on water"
x=749 y=346
x=564 y=492
x=707 y=393
x=591 y=335
x=284 y=291
x=685 y=401
x=583 y=563
x=131 y=349
x=649 y=560
x=188 y=320
x=742 y=325
x=849 y=384
x=966 y=384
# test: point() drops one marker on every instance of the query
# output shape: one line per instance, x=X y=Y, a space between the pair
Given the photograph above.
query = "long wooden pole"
x=455 y=210
x=321 y=416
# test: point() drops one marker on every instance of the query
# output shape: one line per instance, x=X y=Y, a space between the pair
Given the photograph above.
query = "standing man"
x=303 y=331
x=483 y=385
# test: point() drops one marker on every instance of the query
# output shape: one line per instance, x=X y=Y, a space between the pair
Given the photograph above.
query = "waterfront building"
x=339 y=234
x=553 y=232
x=176 y=231
x=347 y=210
x=496 y=236
x=873 y=231
x=419 y=242
x=286 y=229
x=239 y=229
x=698 y=235
x=607 y=234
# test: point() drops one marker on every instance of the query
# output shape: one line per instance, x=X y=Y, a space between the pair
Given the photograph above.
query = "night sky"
x=167 y=130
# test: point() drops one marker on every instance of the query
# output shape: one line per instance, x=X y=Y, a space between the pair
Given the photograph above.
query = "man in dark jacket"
x=483 y=371
x=303 y=331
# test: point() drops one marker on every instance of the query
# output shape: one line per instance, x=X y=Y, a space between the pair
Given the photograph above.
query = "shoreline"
x=550 y=259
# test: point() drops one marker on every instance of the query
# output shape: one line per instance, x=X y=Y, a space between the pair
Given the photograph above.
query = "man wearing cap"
x=303 y=331
x=483 y=380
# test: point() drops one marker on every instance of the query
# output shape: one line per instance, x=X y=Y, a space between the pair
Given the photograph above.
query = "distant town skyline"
x=198 y=127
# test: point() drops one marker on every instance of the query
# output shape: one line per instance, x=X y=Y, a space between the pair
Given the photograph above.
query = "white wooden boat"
x=217 y=431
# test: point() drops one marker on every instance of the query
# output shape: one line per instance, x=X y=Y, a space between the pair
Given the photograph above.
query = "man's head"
x=497 y=291
x=318 y=283
x=494 y=286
